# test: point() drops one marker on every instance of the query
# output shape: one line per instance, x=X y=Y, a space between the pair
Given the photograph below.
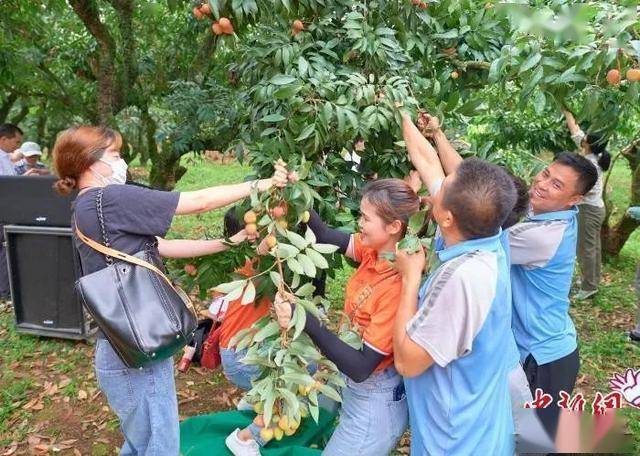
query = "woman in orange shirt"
x=236 y=318
x=374 y=409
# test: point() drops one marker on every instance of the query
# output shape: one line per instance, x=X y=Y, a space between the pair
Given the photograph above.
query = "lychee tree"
x=322 y=79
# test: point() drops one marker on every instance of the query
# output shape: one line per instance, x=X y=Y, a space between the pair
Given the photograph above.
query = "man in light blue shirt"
x=543 y=254
x=450 y=334
x=10 y=140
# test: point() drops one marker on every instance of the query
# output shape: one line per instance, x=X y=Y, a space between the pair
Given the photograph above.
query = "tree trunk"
x=20 y=115
x=89 y=13
x=6 y=105
x=41 y=123
x=166 y=169
x=614 y=237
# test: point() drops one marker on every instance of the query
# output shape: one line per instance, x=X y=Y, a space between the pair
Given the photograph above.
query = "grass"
x=26 y=361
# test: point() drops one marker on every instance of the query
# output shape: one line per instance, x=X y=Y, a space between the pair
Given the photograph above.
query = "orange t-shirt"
x=239 y=317
x=371 y=300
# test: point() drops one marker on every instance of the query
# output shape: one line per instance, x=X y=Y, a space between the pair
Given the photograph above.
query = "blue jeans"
x=373 y=417
x=235 y=370
x=144 y=400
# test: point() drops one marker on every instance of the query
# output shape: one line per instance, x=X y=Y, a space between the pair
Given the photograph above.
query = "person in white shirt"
x=592 y=210
x=10 y=140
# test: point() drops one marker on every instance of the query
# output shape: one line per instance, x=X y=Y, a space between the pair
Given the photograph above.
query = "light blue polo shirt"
x=543 y=255
x=461 y=405
x=510 y=347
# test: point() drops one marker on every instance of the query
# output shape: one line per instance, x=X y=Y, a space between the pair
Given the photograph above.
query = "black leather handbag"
x=142 y=314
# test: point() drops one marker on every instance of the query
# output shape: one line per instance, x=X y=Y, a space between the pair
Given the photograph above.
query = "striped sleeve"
x=455 y=307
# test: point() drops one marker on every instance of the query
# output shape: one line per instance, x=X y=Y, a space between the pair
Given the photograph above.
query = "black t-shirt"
x=133 y=217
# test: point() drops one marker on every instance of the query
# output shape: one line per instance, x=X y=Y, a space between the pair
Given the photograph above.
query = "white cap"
x=29 y=149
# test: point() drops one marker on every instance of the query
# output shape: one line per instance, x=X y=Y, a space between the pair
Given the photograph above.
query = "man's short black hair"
x=480 y=197
x=232 y=223
x=587 y=172
x=8 y=130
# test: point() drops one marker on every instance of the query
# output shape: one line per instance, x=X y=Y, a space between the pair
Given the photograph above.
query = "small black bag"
x=200 y=336
x=144 y=317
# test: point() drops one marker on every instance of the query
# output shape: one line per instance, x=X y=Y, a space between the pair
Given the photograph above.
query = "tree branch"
x=470 y=64
x=7 y=104
x=129 y=73
x=20 y=115
x=89 y=14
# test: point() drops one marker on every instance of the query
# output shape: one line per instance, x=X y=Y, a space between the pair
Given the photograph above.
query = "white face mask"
x=118 y=172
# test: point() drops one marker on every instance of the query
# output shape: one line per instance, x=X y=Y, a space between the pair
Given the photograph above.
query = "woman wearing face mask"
x=88 y=159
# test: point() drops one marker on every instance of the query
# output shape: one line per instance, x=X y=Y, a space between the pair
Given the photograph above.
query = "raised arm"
x=573 y=126
x=422 y=154
x=449 y=156
x=188 y=248
x=210 y=198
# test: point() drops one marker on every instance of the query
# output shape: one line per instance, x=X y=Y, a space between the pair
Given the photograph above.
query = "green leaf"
x=271 y=329
x=303 y=66
x=329 y=392
x=300 y=317
x=317 y=258
x=314 y=411
x=282 y=79
x=290 y=399
x=308 y=131
x=310 y=236
x=295 y=266
x=532 y=61
x=275 y=278
x=273 y=118
x=249 y=294
x=295 y=281
x=297 y=240
x=494 y=70
x=539 y=102
x=287 y=250
x=307 y=265
x=325 y=248
x=298 y=379
x=453 y=33
x=305 y=290
x=269 y=400
x=235 y=294
x=230 y=286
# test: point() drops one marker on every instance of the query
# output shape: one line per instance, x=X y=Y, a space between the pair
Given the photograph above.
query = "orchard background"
x=310 y=81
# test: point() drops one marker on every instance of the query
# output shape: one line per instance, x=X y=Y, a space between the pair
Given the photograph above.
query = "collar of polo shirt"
x=488 y=244
x=555 y=215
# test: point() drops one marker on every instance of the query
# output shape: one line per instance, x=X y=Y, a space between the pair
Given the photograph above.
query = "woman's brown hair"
x=76 y=149
x=393 y=199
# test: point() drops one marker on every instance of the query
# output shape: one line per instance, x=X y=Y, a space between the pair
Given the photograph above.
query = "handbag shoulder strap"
x=108 y=251
x=105 y=239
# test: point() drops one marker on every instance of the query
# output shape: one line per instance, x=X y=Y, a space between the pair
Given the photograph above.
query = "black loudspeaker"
x=43 y=266
x=31 y=200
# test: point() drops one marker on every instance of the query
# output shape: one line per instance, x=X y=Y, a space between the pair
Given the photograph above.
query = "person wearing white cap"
x=30 y=164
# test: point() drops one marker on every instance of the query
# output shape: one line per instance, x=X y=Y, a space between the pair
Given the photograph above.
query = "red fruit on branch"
x=613 y=77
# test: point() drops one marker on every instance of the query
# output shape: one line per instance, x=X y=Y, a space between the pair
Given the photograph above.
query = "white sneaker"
x=244 y=405
x=241 y=448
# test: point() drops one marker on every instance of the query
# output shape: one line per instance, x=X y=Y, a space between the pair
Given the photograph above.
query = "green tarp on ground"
x=204 y=435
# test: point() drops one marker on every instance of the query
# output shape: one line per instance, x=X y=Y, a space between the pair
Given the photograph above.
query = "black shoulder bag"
x=144 y=317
